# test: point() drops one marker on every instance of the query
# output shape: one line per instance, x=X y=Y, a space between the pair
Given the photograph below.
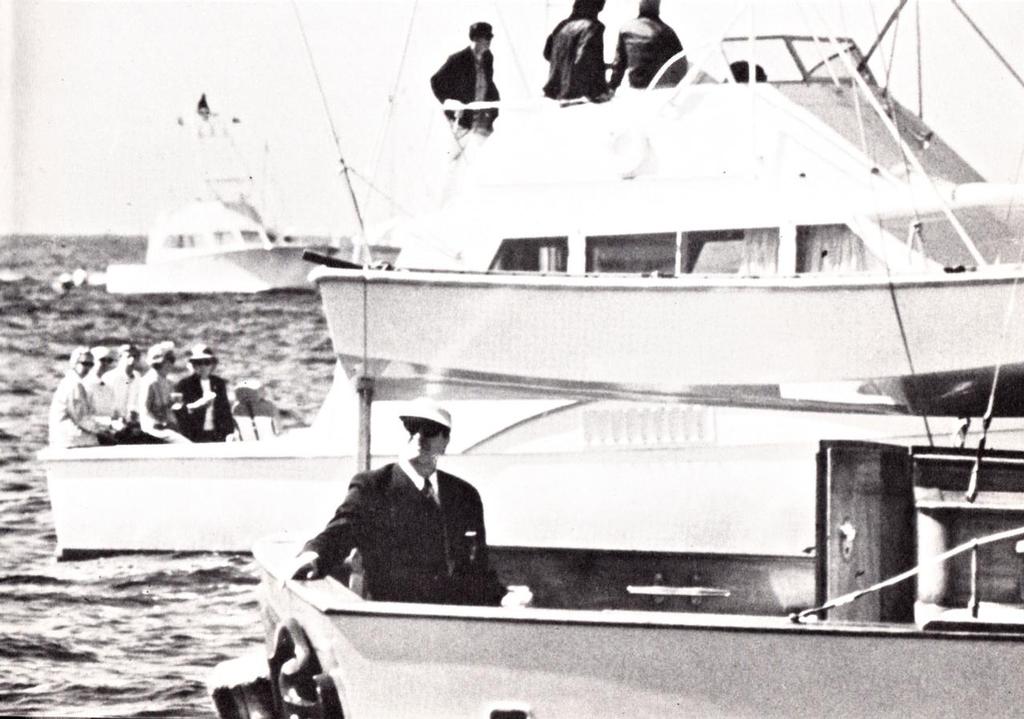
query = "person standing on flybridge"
x=468 y=76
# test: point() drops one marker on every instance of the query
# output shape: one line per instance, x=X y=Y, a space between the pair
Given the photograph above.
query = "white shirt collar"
x=414 y=476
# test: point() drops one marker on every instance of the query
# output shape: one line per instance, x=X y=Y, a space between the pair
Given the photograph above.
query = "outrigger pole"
x=337 y=140
x=881 y=35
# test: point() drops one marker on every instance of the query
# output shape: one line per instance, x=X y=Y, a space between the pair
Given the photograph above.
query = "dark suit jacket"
x=412 y=550
x=456 y=80
x=191 y=423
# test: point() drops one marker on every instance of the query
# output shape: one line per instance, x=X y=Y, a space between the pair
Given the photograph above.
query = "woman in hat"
x=156 y=398
x=205 y=415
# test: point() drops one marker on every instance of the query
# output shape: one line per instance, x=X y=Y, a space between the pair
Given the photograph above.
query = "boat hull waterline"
x=256 y=269
x=610 y=333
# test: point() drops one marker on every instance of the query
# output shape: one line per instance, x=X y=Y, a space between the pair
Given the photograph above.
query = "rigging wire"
x=334 y=132
x=972 y=488
x=511 y=46
x=988 y=42
x=858 y=82
x=920 y=67
x=385 y=127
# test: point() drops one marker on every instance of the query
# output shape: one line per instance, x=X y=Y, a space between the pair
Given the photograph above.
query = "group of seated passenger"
x=108 y=396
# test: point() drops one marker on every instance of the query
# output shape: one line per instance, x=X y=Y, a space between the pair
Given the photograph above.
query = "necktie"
x=428 y=491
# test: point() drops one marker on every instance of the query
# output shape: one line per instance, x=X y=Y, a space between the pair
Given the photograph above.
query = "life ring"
x=299 y=686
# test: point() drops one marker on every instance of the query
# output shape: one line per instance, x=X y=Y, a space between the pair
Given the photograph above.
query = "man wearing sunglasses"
x=73 y=420
x=419 y=531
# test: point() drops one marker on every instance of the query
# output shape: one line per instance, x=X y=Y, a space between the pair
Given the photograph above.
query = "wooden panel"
x=948 y=518
x=865 y=528
x=587 y=579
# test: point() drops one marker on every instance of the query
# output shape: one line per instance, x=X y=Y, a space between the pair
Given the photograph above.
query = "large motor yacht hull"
x=613 y=334
x=256 y=269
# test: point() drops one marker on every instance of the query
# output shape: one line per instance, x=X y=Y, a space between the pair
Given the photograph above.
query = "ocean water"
x=134 y=635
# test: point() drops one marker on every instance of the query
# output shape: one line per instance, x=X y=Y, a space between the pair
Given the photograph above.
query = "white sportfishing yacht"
x=212 y=245
x=809 y=222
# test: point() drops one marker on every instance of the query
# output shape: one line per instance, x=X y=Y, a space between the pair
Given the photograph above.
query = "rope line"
x=937 y=559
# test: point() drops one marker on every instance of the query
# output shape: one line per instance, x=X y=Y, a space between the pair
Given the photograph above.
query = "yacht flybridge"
x=715 y=234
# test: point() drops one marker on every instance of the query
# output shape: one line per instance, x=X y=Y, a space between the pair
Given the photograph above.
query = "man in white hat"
x=101 y=394
x=157 y=400
x=419 y=530
x=206 y=412
x=73 y=421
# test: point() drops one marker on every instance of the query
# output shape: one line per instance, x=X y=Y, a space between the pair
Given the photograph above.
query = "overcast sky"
x=94 y=142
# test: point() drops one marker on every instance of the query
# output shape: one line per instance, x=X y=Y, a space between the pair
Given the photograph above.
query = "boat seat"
x=255 y=417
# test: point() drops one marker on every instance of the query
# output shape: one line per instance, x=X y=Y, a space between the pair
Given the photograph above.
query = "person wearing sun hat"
x=205 y=414
x=157 y=400
x=419 y=531
x=73 y=421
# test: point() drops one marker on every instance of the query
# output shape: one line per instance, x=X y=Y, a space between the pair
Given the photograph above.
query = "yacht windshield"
x=791 y=58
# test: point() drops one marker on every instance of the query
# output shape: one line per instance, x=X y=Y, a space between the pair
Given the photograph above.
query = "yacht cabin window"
x=251 y=237
x=222 y=237
x=752 y=251
x=653 y=253
x=177 y=242
x=532 y=254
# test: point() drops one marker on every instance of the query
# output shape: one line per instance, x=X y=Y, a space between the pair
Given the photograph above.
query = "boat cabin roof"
x=204 y=227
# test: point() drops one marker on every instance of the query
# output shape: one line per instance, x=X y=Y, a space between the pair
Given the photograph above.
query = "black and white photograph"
x=511 y=359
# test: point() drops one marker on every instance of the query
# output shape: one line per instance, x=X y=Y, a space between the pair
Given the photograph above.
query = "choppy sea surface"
x=136 y=635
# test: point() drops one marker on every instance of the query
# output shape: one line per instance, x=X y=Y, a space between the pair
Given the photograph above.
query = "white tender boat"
x=212 y=246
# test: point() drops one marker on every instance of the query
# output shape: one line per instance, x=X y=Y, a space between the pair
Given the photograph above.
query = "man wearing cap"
x=468 y=76
x=419 y=531
x=123 y=381
x=156 y=400
x=205 y=415
x=73 y=421
x=101 y=394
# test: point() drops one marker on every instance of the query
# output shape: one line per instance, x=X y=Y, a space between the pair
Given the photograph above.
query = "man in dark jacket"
x=419 y=531
x=468 y=76
x=645 y=44
x=205 y=414
x=575 y=49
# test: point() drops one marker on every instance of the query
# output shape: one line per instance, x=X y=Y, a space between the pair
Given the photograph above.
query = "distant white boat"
x=212 y=246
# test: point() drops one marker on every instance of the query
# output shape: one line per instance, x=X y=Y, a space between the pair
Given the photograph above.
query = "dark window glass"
x=713 y=252
x=643 y=253
x=532 y=254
